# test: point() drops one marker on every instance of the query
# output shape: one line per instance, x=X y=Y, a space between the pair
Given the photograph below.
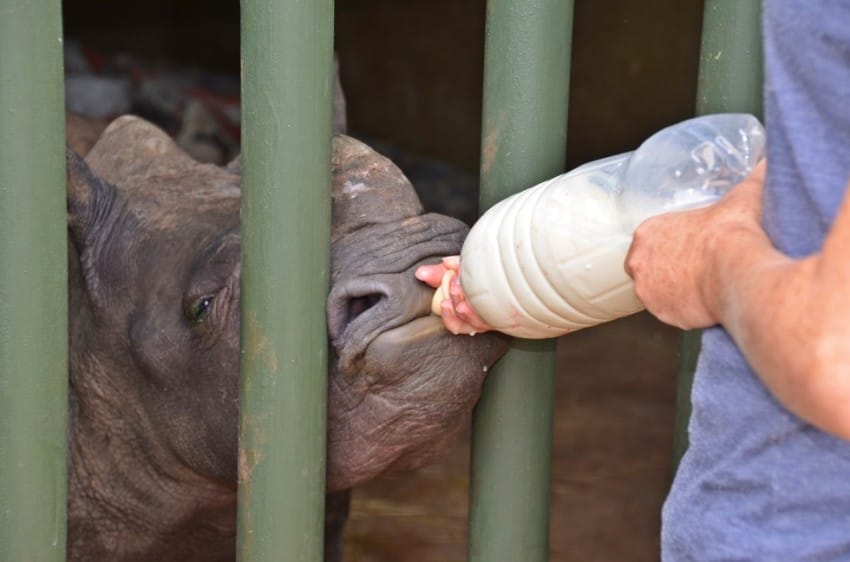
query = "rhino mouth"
x=416 y=332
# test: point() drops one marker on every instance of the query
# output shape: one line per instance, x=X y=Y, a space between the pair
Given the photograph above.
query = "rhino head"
x=154 y=312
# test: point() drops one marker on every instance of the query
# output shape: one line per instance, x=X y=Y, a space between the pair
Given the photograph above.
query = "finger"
x=755 y=183
x=465 y=312
x=463 y=309
x=446 y=283
x=631 y=264
x=751 y=188
x=430 y=274
x=760 y=170
x=628 y=264
x=452 y=323
x=452 y=262
x=454 y=290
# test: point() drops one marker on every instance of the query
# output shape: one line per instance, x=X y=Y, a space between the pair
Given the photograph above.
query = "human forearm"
x=771 y=306
x=790 y=318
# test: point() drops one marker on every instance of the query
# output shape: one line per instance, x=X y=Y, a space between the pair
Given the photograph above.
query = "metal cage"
x=281 y=496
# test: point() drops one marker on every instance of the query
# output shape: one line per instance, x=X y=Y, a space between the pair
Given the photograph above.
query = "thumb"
x=748 y=194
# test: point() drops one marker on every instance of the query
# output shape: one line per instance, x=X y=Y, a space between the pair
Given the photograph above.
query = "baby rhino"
x=154 y=315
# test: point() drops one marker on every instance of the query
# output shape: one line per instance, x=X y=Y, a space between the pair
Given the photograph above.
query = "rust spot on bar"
x=256 y=345
x=254 y=439
x=490 y=144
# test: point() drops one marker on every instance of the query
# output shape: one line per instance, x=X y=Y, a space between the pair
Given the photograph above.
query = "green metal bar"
x=730 y=80
x=287 y=54
x=526 y=83
x=33 y=284
x=730 y=70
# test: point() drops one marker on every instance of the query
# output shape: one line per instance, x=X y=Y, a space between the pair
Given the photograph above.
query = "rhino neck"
x=124 y=503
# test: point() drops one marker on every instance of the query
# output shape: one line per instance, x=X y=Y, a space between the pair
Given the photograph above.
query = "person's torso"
x=757 y=483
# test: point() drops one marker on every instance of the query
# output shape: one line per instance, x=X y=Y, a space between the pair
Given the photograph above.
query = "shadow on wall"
x=413 y=72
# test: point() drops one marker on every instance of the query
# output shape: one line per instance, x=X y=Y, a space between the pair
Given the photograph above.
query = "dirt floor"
x=612 y=462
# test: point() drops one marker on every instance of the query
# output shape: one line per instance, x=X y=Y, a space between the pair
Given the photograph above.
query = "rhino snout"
x=363 y=308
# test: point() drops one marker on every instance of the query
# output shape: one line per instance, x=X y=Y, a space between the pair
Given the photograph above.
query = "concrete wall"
x=413 y=70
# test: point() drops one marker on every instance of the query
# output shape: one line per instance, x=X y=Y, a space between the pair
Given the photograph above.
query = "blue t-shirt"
x=757 y=483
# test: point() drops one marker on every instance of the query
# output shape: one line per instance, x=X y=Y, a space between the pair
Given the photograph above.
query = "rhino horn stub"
x=368 y=188
x=131 y=146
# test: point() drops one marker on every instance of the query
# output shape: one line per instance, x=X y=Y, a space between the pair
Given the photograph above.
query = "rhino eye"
x=198 y=310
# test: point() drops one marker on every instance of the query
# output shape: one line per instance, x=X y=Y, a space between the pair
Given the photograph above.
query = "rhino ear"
x=339 y=114
x=88 y=196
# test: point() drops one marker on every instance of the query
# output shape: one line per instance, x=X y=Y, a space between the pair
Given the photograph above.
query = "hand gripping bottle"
x=550 y=260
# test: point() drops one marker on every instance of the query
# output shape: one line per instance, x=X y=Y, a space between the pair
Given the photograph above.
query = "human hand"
x=673 y=257
x=457 y=314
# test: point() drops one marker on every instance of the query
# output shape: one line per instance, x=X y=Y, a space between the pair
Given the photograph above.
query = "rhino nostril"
x=349 y=300
x=358 y=305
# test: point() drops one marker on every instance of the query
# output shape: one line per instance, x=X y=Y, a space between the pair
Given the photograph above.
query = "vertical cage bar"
x=287 y=53
x=730 y=70
x=730 y=80
x=33 y=284
x=526 y=83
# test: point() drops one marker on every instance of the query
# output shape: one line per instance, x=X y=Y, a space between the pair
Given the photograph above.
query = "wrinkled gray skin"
x=154 y=313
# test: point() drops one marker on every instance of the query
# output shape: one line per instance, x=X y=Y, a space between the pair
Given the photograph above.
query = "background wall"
x=412 y=70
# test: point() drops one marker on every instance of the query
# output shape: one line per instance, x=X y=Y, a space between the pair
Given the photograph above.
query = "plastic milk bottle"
x=550 y=259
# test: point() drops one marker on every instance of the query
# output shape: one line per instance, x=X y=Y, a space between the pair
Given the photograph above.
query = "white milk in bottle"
x=550 y=259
